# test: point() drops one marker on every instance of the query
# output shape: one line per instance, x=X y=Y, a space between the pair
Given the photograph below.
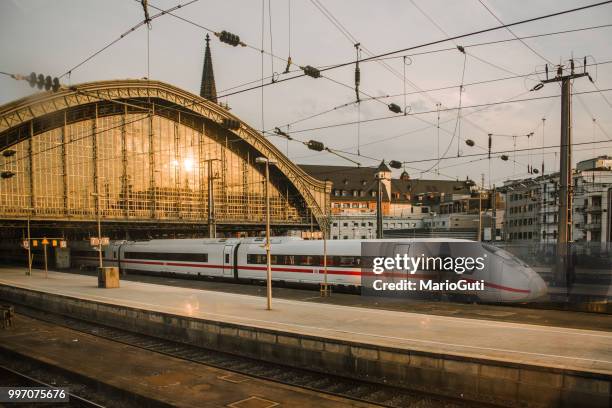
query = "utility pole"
x=212 y=223
x=267 y=245
x=479 y=216
x=494 y=215
x=29 y=273
x=379 y=213
x=564 y=226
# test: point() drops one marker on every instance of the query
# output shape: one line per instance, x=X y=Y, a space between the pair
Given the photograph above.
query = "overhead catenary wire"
x=426 y=44
x=376 y=119
x=457 y=121
x=514 y=35
x=128 y=32
x=596 y=27
x=481 y=82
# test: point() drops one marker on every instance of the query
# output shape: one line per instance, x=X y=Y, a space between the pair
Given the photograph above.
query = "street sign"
x=487 y=234
x=94 y=241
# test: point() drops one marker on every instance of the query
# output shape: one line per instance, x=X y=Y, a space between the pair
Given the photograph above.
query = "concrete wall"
x=469 y=378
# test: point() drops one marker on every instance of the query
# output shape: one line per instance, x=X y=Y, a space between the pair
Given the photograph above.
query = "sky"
x=51 y=37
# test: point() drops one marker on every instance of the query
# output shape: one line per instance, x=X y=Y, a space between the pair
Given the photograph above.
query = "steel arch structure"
x=115 y=121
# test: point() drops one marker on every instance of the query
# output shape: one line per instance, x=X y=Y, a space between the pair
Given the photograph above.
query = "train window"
x=184 y=257
x=256 y=259
x=306 y=260
x=227 y=258
x=83 y=253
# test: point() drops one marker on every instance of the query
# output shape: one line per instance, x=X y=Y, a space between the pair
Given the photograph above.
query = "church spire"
x=208 y=89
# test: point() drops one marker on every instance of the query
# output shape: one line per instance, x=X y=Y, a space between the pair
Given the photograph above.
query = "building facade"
x=532 y=205
x=406 y=202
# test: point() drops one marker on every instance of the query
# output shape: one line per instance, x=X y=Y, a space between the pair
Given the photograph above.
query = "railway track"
x=382 y=395
x=13 y=378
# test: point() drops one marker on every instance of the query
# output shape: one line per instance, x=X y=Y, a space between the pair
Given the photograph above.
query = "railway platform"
x=481 y=360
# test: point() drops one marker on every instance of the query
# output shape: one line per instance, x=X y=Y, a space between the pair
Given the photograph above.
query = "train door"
x=228 y=265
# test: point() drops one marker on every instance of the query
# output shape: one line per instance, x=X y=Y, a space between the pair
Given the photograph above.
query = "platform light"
x=267 y=162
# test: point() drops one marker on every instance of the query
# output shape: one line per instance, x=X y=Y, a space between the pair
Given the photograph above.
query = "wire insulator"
x=229 y=38
x=394 y=164
x=315 y=145
x=311 y=71
x=395 y=108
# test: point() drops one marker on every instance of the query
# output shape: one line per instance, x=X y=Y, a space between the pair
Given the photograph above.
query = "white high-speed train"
x=506 y=278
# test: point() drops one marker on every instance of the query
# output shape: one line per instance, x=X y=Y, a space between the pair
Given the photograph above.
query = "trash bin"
x=108 y=277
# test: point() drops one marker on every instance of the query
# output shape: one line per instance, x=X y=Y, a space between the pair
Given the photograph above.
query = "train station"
x=174 y=233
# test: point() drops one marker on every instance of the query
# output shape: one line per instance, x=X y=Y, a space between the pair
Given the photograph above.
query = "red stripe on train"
x=301 y=270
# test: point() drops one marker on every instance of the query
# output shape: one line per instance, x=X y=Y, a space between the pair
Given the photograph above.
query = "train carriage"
x=507 y=278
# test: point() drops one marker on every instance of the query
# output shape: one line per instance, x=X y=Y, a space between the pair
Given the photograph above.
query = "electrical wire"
x=488 y=104
x=453 y=49
x=125 y=34
x=514 y=35
x=422 y=45
x=487 y=81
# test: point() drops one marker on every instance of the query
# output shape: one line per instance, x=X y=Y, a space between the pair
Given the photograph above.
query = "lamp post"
x=267 y=246
x=97 y=195
x=29 y=273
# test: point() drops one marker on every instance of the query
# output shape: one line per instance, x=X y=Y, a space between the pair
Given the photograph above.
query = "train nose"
x=537 y=286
